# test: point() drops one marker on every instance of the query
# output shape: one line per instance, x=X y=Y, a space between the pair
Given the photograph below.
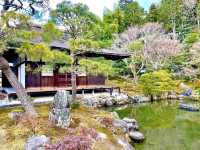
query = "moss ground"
x=13 y=136
x=126 y=86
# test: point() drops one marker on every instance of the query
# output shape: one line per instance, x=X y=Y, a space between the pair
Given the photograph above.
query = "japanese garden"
x=99 y=75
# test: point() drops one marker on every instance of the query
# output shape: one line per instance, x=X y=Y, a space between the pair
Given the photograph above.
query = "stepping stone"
x=136 y=136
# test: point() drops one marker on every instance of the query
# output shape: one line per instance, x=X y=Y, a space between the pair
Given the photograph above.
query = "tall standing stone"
x=60 y=109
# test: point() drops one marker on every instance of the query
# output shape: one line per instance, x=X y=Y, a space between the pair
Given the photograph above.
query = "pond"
x=165 y=126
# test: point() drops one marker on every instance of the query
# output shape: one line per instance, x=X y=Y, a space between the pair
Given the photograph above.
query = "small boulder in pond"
x=188 y=107
x=126 y=124
x=60 y=109
x=140 y=99
x=37 y=143
x=128 y=120
x=136 y=136
x=131 y=124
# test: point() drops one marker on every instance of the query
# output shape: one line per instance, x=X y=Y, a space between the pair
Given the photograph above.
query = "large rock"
x=109 y=103
x=126 y=124
x=121 y=99
x=141 y=99
x=37 y=143
x=120 y=124
x=60 y=109
x=62 y=99
x=136 y=136
x=90 y=101
x=105 y=100
x=129 y=120
x=131 y=124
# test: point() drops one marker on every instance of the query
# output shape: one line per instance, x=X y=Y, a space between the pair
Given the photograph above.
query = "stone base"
x=60 y=110
x=60 y=117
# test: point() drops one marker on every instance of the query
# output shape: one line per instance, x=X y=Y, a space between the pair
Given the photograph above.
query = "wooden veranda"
x=82 y=89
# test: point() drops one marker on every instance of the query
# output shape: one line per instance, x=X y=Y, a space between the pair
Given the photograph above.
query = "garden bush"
x=156 y=83
x=75 y=105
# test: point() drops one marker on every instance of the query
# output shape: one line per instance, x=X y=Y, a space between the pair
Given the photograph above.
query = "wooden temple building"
x=51 y=80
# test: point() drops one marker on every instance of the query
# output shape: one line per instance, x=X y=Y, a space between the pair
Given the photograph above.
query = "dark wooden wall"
x=61 y=80
x=35 y=79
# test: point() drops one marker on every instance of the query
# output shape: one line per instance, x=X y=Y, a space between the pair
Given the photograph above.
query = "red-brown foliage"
x=73 y=142
x=108 y=122
x=89 y=132
x=82 y=141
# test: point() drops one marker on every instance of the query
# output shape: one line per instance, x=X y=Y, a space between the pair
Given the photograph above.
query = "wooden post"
x=119 y=90
x=40 y=65
x=93 y=92
x=83 y=92
x=111 y=91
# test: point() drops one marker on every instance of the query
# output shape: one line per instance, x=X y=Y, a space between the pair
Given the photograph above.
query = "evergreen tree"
x=7 y=32
x=153 y=14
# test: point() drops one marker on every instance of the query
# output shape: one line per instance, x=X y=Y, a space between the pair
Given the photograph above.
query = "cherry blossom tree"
x=190 y=3
x=158 y=49
x=150 y=44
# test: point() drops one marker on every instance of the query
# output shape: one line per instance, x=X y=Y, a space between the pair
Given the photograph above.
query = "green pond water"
x=165 y=126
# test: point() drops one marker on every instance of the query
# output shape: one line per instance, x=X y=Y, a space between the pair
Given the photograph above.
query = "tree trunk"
x=151 y=98
x=20 y=91
x=73 y=77
x=134 y=73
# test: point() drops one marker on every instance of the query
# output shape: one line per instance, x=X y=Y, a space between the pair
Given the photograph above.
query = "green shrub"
x=156 y=83
x=191 y=38
x=75 y=105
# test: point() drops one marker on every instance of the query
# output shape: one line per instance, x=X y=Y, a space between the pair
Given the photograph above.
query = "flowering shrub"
x=82 y=141
x=74 y=142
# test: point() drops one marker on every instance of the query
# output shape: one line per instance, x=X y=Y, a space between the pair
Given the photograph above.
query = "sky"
x=97 y=6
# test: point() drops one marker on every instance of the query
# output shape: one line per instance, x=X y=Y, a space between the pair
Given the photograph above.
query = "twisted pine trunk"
x=73 y=80
x=20 y=91
x=73 y=77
